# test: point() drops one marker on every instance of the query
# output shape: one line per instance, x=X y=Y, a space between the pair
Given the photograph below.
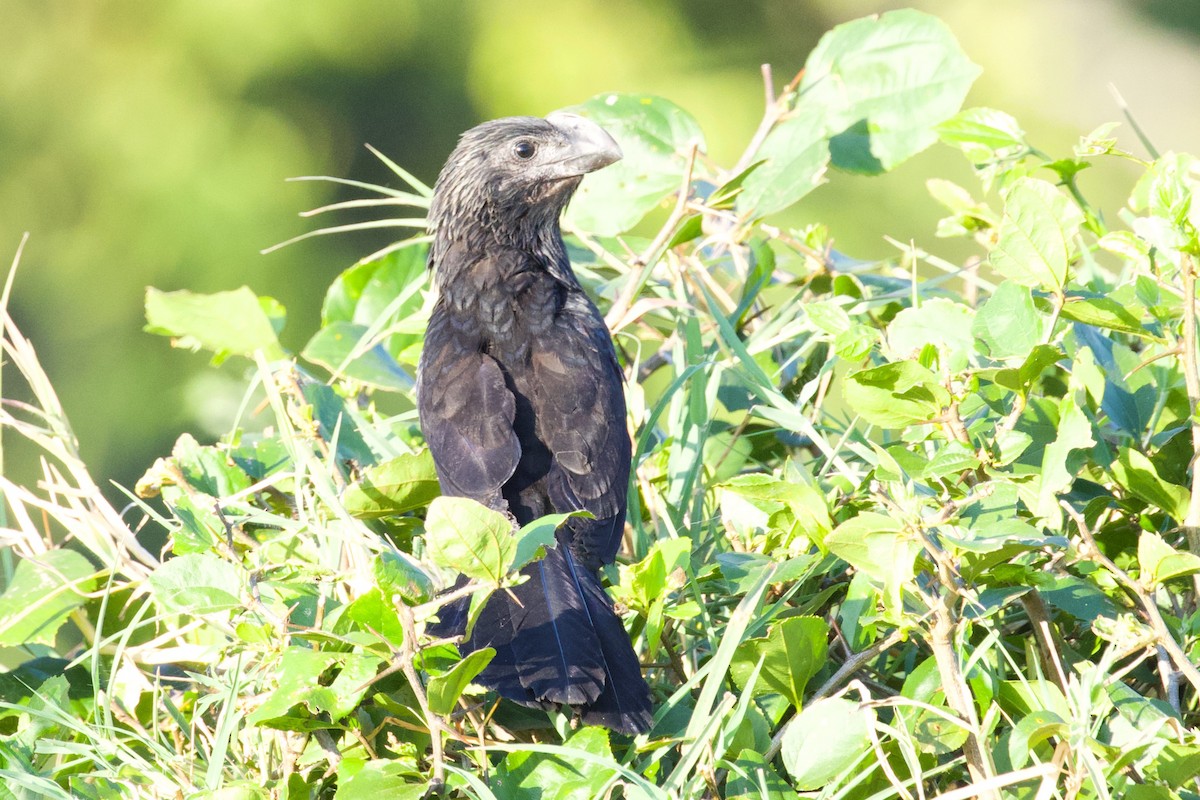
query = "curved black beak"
x=591 y=148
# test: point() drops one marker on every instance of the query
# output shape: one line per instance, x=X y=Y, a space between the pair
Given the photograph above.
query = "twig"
x=1191 y=372
x=1162 y=633
x=776 y=107
x=941 y=641
x=1043 y=634
x=851 y=665
x=407 y=650
x=989 y=787
x=1137 y=129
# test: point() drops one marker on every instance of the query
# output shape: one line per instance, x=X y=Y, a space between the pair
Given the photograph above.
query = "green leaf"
x=1074 y=433
x=373 y=611
x=1037 y=233
x=1104 y=312
x=1137 y=475
x=405 y=483
x=445 y=689
x=304 y=679
x=751 y=778
x=939 y=322
x=197 y=583
x=881 y=84
x=470 y=538
x=982 y=133
x=879 y=546
x=385 y=288
x=655 y=136
x=646 y=585
x=533 y=538
x=796 y=154
x=896 y=395
x=792 y=653
x=575 y=770
x=1007 y=323
x=337 y=347
x=1161 y=562
x=1020 y=379
x=227 y=323
x=384 y=777
x=398 y=574
x=41 y=594
x=824 y=740
x=1033 y=729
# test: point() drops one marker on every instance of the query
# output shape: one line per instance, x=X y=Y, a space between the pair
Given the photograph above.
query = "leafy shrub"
x=896 y=528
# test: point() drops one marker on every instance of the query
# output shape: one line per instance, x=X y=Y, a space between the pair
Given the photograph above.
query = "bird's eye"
x=524 y=149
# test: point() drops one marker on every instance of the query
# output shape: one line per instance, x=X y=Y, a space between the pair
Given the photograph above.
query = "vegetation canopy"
x=912 y=528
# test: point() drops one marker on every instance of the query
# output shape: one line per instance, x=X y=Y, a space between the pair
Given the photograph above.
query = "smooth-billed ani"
x=520 y=398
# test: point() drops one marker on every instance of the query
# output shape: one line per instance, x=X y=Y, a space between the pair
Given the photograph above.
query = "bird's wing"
x=580 y=406
x=467 y=413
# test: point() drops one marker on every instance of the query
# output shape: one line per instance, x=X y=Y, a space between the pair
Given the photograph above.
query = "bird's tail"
x=559 y=641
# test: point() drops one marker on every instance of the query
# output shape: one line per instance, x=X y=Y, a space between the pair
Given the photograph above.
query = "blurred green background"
x=147 y=143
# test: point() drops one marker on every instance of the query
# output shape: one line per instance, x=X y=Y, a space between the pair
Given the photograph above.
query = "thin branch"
x=1191 y=372
x=851 y=665
x=1163 y=634
x=407 y=650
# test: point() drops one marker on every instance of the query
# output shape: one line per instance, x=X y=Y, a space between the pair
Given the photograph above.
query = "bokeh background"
x=146 y=142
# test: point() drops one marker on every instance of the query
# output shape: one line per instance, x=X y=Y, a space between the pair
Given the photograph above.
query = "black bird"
x=520 y=398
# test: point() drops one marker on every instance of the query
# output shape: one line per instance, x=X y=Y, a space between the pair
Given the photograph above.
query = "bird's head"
x=515 y=175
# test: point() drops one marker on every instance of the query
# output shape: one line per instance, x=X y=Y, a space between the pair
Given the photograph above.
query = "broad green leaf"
x=575 y=770
x=384 y=288
x=1007 y=323
x=405 y=483
x=336 y=421
x=445 y=689
x=304 y=679
x=373 y=611
x=1167 y=189
x=1104 y=312
x=647 y=580
x=1033 y=729
x=796 y=154
x=337 y=347
x=1162 y=562
x=1074 y=433
x=208 y=469
x=655 y=136
x=881 y=84
x=197 y=583
x=1021 y=378
x=896 y=395
x=377 y=301
x=792 y=653
x=1037 y=233
x=880 y=547
x=41 y=594
x=751 y=778
x=533 y=538
x=873 y=543
x=982 y=133
x=470 y=538
x=939 y=322
x=950 y=460
x=400 y=575
x=1137 y=475
x=226 y=323
x=824 y=740
x=384 y=777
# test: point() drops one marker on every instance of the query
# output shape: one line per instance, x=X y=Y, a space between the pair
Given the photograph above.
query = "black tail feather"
x=558 y=641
